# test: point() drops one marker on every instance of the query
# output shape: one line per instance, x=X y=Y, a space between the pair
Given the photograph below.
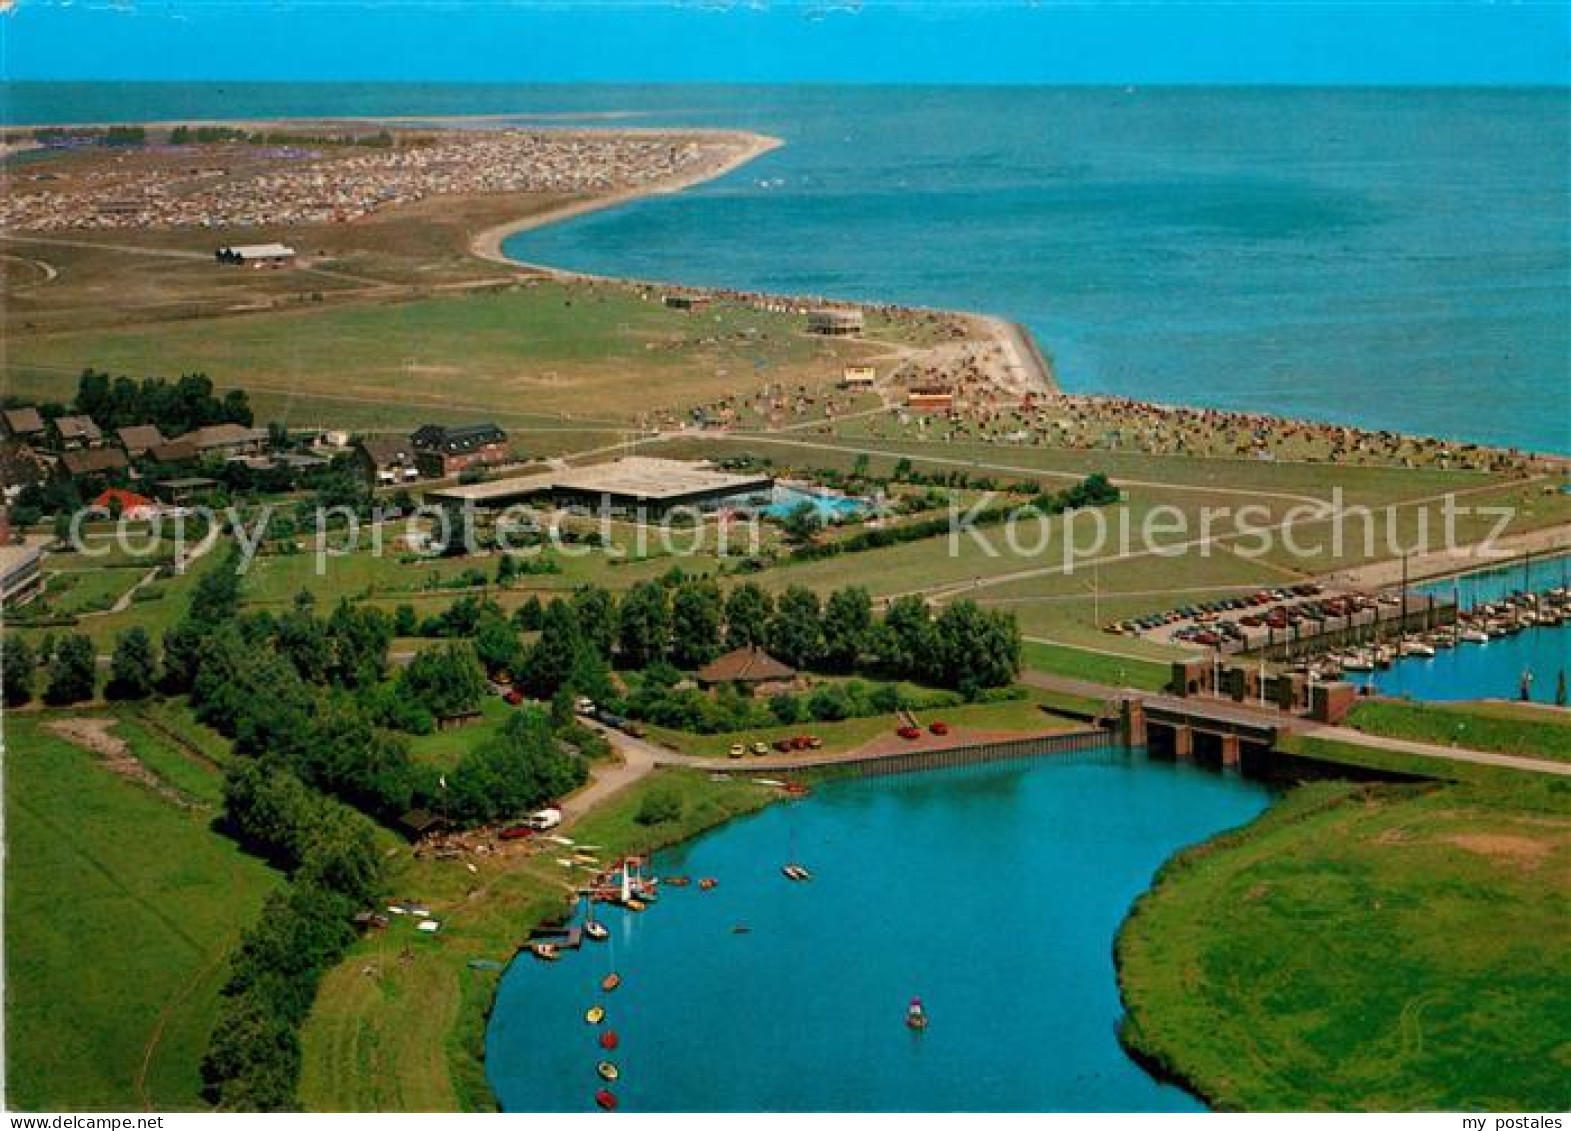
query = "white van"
x=544 y=820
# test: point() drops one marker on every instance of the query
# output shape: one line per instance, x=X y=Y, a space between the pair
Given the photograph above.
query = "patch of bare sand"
x=95 y=736
x=1523 y=851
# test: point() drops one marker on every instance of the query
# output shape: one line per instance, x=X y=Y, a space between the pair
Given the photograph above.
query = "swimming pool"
x=830 y=508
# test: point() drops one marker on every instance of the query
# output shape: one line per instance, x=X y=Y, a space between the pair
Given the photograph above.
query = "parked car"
x=737 y=750
x=760 y=748
x=909 y=732
x=516 y=832
x=514 y=697
x=938 y=726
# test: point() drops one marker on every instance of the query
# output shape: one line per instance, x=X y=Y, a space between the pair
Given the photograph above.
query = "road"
x=634 y=759
x=1310 y=729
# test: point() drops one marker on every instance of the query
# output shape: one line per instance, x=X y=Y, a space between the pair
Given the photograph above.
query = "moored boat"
x=594 y=1014
x=610 y=982
x=607 y=1070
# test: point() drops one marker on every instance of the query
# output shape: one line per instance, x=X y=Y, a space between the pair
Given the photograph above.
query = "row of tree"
x=175 y=407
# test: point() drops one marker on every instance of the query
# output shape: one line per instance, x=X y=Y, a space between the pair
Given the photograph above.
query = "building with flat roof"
x=20 y=576
x=834 y=322
x=256 y=255
x=635 y=483
x=858 y=377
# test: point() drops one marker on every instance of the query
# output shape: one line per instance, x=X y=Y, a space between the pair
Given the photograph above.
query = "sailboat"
x=593 y=927
x=792 y=870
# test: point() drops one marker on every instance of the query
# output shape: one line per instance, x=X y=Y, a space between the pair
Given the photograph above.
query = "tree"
x=498 y=646
x=446 y=681
x=976 y=647
x=801 y=523
x=184 y=645
x=520 y=768
x=748 y=609
x=551 y=662
x=358 y=637
x=301 y=638
x=848 y=618
x=596 y=610
x=133 y=667
x=644 y=625
x=72 y=675
x=796 y=633
x=903 y=643
x=530 y=614
x=660 y=806
x=695 y=623
x=20 y=671
x=216 y=597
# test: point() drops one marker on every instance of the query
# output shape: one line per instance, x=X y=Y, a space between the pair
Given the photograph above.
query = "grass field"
x=121 y=909
x=1098 y=667
x=582 y=349
x=1504 y=728
x=390 y=1033
x=1383 y=948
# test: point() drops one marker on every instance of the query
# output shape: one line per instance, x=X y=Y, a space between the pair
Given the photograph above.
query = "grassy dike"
x=1364 y=947
x=400 y=1024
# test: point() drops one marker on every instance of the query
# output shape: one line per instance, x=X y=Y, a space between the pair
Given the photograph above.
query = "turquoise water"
x=1389 y=258
x=993 y=893
x=829 y=508
x=1493 y=670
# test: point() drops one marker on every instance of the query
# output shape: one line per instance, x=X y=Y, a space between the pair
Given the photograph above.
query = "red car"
x=800 y=742
x=909 y=732
x=514 y=697
x=516 y=832
x=939 y=727
x=783 y=745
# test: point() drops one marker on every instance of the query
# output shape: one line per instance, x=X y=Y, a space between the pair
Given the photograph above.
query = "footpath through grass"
x=1501 y=728
x=121 y=909
x=1387 y=948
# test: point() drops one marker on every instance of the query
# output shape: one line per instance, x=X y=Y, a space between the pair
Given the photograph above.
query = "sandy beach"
x=741 y=149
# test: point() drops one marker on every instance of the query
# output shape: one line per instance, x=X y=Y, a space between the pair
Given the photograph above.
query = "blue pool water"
x=1022 y=870
x=829 y=508
x=1389 y=258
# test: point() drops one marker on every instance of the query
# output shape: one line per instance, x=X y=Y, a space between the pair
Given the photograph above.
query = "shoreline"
x=487 y=243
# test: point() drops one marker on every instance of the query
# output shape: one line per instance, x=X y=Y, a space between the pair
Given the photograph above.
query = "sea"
x=992 y=893
x=1388 y=258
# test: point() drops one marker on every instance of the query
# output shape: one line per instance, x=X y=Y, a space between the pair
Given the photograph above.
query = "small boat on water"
x=610 y=982
x=596 y=930
x=544 y=951
x=1473 y=636
x=708 y=883
x=605 y=1099
x=916 y=1016
x=796 y=873
x=609 y=1040
x=1418 y=648
x=594 y=1015
x=677 y=881
x=607 y=1070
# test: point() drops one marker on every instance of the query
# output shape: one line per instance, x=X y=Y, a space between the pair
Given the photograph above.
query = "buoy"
x=605 y=1099
x=609 y=1040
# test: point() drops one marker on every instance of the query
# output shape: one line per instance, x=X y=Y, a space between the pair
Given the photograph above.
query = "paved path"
x=634 y=759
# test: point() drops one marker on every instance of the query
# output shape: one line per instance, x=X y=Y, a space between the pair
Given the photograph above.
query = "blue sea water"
x=993 y=893
x=1388 y=258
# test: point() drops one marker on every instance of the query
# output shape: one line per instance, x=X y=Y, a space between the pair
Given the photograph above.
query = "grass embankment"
x=1029 y=715
x=1097 y=667
x=121 y=908
x=1501 y=728
x=400 y=1024
x=1389 y=948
